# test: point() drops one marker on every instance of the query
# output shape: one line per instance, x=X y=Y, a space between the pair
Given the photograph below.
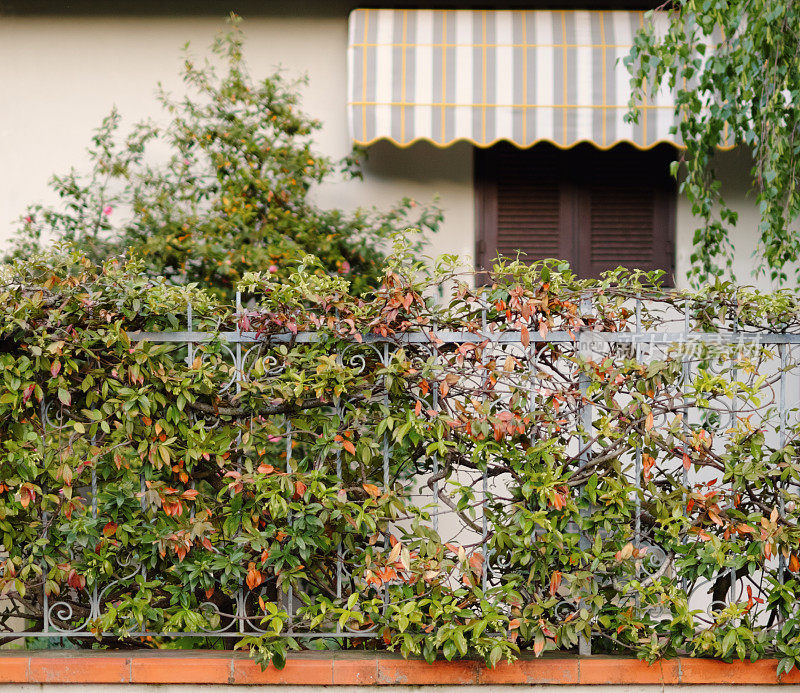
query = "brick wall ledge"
x=369 y=669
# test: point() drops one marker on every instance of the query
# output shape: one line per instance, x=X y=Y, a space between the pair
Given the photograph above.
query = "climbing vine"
x=493 y=472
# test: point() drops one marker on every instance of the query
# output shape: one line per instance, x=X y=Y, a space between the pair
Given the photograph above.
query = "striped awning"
x=486 y=75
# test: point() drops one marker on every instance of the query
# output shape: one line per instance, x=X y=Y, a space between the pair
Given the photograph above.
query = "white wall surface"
x=60 y=75
x=733 y=167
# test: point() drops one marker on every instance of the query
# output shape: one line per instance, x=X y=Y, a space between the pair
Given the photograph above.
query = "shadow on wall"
x=422 y=162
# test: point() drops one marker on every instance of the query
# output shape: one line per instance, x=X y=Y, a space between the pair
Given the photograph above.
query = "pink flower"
x=345 y=268
x=272 y=269
x=107 y=210
x=28 y=220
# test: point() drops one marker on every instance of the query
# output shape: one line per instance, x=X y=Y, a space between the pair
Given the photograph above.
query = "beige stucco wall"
x=61 y=75
x=733 y=168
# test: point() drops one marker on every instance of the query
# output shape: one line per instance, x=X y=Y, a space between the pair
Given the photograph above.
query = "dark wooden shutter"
x=596 y=209
x=520 y=205
x=528 y=219
x=628 y=226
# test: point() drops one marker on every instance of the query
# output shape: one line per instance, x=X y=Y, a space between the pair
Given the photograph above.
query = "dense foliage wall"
x=508 y=468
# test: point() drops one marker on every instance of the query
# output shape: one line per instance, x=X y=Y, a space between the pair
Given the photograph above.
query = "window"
x=596 y=209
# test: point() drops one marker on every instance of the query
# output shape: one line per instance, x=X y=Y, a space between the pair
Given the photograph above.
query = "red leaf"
x=109 y=529
x=55 y=368
x=299 y=490
x=555 y=582
x=76 y=581
x=27 y=392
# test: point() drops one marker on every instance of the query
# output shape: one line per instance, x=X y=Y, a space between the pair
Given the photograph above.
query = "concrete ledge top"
x=370 y=669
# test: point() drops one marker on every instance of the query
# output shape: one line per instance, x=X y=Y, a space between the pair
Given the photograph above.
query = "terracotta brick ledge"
x=368 y=669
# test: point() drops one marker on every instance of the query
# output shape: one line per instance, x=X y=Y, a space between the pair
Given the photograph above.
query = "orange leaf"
x=347 y=445
x=372 y=490
x=254 y=576
x=525 y=336
x=648 y=424
x=543 y=328
x=299 y=489
x=476 y=561
x=109 y=529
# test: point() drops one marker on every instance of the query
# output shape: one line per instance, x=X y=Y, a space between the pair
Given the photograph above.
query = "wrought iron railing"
x=543 y=364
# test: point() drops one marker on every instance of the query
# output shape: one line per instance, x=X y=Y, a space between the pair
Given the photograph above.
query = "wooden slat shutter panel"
x=596 y=209
x=627 y=226
x=520 y=204
x=528 y=216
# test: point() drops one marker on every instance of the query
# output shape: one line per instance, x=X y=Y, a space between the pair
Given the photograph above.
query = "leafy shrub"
x=232 y=196
x=182 y=494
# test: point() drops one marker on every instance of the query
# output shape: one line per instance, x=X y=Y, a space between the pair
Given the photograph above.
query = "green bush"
x=310 y=470
x=231 y=197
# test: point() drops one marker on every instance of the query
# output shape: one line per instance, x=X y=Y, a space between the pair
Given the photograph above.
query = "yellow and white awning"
x=488 y=75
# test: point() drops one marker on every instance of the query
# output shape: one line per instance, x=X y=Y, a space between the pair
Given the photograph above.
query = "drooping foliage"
x=222 y=188
x=499 y=472
x=735 y=69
